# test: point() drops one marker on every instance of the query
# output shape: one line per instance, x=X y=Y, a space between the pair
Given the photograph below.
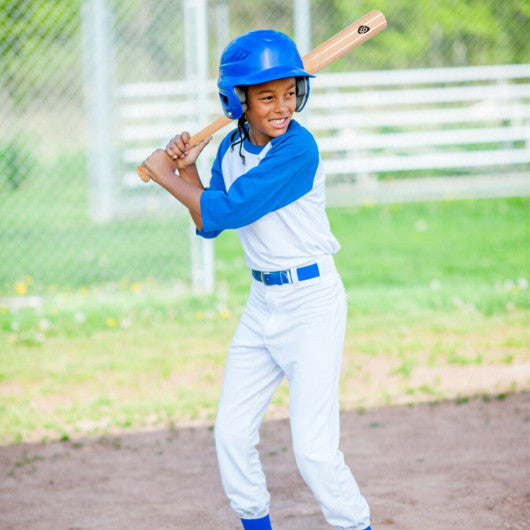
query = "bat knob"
x=143 y=173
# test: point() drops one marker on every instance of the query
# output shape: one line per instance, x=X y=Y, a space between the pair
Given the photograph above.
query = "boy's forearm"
x=191 y=175
x=186 y=187
x=189 y=194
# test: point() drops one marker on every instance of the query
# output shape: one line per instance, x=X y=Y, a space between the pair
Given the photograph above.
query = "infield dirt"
x=430 y=466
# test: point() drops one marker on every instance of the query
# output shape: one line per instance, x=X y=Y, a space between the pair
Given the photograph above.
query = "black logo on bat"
x=363 y=29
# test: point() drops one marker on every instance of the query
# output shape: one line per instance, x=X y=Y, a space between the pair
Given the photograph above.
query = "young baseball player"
x=267 y=182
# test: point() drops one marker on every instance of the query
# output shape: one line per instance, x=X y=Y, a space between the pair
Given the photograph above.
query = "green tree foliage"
x=38 y=37
x=445 y=33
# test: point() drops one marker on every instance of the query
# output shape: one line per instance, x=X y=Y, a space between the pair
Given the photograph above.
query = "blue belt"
x=281 y=277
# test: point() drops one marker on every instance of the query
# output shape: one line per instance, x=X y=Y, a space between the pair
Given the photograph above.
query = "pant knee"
x=307 y=460
x=224 y=433
x=314 y=464
x=228 y=434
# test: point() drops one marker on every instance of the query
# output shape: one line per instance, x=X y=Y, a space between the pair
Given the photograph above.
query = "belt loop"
x=294 y=277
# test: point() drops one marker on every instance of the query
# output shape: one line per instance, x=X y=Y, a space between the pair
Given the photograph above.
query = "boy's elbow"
x=207 y=235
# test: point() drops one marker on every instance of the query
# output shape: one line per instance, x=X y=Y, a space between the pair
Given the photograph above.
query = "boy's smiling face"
x=270 y=108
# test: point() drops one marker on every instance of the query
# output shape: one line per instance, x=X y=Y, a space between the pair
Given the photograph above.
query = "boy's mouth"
x=279 y=123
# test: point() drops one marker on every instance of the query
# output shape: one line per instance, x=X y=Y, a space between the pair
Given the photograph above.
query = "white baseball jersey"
x=274 y=197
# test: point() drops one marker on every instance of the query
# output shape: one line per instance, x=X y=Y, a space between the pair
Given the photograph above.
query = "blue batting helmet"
x=257 y=57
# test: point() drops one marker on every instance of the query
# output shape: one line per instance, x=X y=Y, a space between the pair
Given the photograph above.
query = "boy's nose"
x=281 y=105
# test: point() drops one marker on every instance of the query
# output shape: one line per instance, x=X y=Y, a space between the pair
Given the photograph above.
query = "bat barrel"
x=349 y=38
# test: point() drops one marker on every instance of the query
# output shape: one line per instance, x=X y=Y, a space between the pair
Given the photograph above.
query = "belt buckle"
x=273 y=278
x=267 y=278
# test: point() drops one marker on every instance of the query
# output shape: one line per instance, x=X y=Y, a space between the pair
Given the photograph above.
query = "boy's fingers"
x=171 y=152
x=185 y=137
x=179 y=146
x=203 y=143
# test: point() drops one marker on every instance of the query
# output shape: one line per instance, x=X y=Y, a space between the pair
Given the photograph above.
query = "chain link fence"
x=68 y=218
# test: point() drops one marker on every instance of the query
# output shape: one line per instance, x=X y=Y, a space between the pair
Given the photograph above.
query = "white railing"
x=383 y=135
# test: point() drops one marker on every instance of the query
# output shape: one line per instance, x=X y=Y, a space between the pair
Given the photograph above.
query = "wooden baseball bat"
x=350 y=37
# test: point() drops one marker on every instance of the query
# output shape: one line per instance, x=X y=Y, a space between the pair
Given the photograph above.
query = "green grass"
x=436 y=292
x=472 y=255
x=49 y=243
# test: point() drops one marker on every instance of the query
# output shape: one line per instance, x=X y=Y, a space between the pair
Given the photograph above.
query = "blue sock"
x=368 y=528
x=264 y=523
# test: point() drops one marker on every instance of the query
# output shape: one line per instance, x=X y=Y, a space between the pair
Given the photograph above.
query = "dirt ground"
x=434 y=467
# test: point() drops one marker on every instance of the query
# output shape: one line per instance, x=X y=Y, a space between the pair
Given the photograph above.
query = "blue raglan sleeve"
x=284 y=175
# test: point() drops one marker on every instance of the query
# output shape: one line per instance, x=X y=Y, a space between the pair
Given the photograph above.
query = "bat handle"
x=143 y=173
x=215 y=126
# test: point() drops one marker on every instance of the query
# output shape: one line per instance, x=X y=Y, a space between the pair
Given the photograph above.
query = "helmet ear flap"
x=241 y=93
x=232 y=102
x=302 y=92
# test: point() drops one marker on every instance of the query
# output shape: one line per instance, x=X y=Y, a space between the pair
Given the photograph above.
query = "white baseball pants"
x=294 y=330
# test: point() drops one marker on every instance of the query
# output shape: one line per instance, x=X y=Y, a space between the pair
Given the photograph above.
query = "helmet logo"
x=363 y=29
x=239 y=55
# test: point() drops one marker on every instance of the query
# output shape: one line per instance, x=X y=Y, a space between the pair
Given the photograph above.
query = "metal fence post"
x=302 y=25
x=97 y=48
x=202 y=250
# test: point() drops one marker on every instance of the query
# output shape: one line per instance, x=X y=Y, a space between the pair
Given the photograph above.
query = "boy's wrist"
x=191 y=176
x=187 y=172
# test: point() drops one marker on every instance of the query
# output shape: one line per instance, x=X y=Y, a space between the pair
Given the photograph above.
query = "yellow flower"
x=136 y=287
x=225 y=313
x=112 y=322
x=21 y=288
x=200 y=315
